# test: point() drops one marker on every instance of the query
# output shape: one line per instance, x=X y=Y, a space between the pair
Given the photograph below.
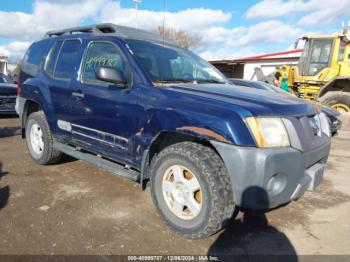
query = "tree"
x=182 y=38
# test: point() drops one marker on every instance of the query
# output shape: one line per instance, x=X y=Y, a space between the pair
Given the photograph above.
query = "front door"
x=109 y=115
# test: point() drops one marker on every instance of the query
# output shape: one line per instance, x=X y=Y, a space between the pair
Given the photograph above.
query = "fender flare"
x=328 y=86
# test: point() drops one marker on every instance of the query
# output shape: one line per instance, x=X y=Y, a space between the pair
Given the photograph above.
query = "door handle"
x=78 y=95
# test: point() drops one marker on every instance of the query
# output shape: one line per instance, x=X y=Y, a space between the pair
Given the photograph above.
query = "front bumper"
x=266 y=178
x=335 y=125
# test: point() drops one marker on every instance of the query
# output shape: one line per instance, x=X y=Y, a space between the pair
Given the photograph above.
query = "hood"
x=8 y=89
x=330 y=112
x=258 y=102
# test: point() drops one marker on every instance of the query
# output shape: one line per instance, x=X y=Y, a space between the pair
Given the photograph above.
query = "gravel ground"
x=74 y=208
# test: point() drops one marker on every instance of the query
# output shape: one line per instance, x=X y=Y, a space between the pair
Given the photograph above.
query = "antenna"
x=137 y=2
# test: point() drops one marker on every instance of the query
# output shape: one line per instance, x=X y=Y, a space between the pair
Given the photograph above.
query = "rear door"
x=61 y=68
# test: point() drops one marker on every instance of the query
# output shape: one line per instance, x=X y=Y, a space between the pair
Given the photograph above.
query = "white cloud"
x=226 y=53
x=326 y=12
x=16 y=48
x=190 y=19
x=47 y=15
x=268 y=32
x=275 y=8
x=219 y=40
x=312 y=12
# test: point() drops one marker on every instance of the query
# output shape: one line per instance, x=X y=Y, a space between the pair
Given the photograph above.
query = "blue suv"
x=138 y=105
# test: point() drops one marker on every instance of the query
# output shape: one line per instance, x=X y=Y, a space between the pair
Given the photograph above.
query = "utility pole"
x=137 y=2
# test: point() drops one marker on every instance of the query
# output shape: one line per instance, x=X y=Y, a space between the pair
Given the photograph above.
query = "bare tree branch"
x=182 y=38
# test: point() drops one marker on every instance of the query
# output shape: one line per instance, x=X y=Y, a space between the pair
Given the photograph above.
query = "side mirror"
x=110 y=75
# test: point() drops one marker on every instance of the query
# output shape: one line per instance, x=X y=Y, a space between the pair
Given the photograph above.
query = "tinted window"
x=67 y=59
x=167 y=63
x=36 y=53
x=33 y=57
x=2 y=80
x=50 y=66
x=101 y=54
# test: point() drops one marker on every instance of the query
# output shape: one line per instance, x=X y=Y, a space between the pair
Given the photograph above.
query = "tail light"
x=18 y=84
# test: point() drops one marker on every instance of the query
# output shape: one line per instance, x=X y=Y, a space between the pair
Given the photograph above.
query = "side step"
x=113 y=167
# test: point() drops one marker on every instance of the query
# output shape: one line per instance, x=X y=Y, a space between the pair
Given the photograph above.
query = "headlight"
x=268 y=131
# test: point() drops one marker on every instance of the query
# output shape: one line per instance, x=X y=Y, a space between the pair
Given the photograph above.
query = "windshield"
x=165 y=64
x=315 y=57
x=5 y=79
x=303 y=58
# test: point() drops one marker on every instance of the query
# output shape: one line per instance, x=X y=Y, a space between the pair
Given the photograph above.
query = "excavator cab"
x=316 y=56
x=323 y=70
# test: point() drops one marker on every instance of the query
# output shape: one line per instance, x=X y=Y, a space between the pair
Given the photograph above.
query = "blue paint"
x=129 y=119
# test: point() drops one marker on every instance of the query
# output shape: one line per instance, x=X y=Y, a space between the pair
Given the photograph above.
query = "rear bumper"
x=266 y=178
x=7 y=104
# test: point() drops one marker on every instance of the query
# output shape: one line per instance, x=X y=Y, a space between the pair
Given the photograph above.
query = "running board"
x=110 y=166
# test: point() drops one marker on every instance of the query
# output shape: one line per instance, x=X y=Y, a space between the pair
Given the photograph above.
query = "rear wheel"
x=339 y=101
x=39 y=140
x=191 y=189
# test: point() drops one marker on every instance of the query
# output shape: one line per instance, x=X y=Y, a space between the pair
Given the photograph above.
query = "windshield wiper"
x=174 y=80
x=212 y=81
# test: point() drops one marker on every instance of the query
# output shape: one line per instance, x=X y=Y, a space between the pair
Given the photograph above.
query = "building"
x=245 y=67
x=3 y=64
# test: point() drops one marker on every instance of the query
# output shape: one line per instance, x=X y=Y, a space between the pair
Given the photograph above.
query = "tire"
x=39 y=140
x=215 y=199
x=337 y=100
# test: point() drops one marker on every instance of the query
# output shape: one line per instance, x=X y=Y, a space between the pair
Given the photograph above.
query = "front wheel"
x=39 y=140
x=191 y=190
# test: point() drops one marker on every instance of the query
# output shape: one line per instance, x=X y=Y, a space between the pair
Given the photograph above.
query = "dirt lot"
x=75 y=208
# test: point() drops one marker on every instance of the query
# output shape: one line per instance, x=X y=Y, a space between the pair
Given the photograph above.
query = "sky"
x=228 y=29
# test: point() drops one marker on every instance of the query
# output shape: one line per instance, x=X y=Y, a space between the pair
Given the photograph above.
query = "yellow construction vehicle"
x=323 y=71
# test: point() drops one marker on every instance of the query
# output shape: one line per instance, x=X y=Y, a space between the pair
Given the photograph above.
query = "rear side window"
x=34 y=57
x=67 y=59
x=50 y=66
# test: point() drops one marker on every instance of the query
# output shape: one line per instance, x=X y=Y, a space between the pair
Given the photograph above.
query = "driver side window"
x=101 y=54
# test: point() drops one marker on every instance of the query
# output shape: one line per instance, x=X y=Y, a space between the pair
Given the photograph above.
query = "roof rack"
x=109 y=28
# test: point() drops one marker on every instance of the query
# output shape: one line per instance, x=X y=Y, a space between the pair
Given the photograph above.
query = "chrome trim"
x=100 y=140
x=8 y=97
x=101 y=132
x=64 y=125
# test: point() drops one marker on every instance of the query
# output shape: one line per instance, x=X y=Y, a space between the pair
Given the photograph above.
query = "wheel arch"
x=336 y=84
x=30 y=107
x=163 y=140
